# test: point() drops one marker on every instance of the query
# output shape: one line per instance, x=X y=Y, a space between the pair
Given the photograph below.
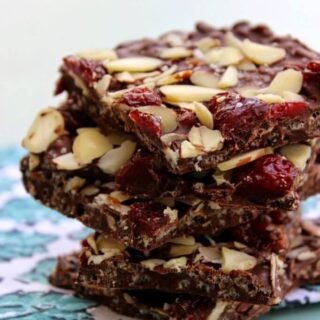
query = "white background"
x=35 y=34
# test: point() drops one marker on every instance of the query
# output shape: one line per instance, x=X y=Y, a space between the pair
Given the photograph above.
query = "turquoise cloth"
x=32 y=236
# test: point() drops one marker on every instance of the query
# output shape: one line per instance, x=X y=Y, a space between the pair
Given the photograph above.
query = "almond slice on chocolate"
x=231 y=40
x=218 y=310
x=236 y=260
x=178 y=250
x=152 y=263
x=287 y=80
x=176 y=263
x=246 y=65
x=188 y=150
x=98 y=54
x=187 y=241
x=104 y=244
x=133 y=64
x=229 y=78
x=205 y=44
x=203 y=114
x=175 y=53
x=224 y=56
x=243 y=159
x=102 y=85
x=204 y=78
x=211 y=254
x=89 y=145
x=175 y=78
x=46 y=127
x=209 y=140
x=67 y=162
x=270 y=98
x=188 y=93
x=114 y=159
x=262 y=54
x=168 y=118
x=298 y=154
x=291 y=96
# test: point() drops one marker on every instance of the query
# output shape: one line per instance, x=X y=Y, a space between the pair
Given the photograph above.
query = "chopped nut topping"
x=120 y=196
x=178 y=250
x=287 y=80
x=188 y=93
x=89 y=191
x=307 y=255
x=175 y=78
x=176 y=263
x=244 y=158
x=187 y=241
x=270 y=98
x=74 y=183
x=217 y=311
x=133 y=64
x=188 y=150
x=203 y=114
x=205 y=44
x=204 y=78
x=209 y=140
x=89 y=145
x=175 y=53
x=173 y=39
x=236 y=260
x=34 y=161
x=168 y=117
x=171 y=213
x=232 y=41
x=262 y=54
x=246 y=66
x=125 y=76
x=98 y=54
x=67 y=162
x=291 y=96
x=169 y=137
x=298 y=154
x=114 y=159
x=102 y=85
x=152 y=263
x=46 y=127
x=224 y=56
x=211 y=254
x=229 y=78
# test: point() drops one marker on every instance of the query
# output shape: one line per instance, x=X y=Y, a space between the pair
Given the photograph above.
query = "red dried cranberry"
x=88 y=70
x=147 y=218
x=83 y=258
x=146 y=122
x=271 y=176
x=140 y=97
x=314 y=66
x=85 y=243
x=236 y=116
x=60 y=146
x=186 y=119
x=139 y=177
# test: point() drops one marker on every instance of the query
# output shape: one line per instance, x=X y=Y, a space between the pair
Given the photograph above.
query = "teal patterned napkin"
x=32 y=236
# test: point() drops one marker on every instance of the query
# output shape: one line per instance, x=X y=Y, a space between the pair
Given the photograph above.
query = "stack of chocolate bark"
x=189 y=156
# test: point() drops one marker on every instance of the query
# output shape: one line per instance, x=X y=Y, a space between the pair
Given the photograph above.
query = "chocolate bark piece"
x=160 y=92
x=61 y=140
x=153 y=304
x=228 y=271
x=143 y=225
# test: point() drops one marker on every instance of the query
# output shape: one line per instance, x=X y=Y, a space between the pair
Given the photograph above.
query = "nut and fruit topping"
x=287 y=80
x=270 y=176
x=141 y=96
x=229 y=78
x=114 y=159
x=133 y=64
x=47 y=127
x=224 y=56
x=236 y=260
x=175 y=53
x=204 y=78
x=211 y=254
x=98 y=54
x=176 y=263
x=89 y=145
x=209 y=140
x=188 y=150
x=187 y=93
x=298 y=154
x=146 y=122
x=67 y=162
x=168 y=118
x=205 y=44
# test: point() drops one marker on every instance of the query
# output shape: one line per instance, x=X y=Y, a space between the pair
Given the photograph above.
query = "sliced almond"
x=229 y=78
x=89 y=191
x=158 y=78
x=248 y=91
x=67 y=162
x=133 y=64
x=74 y=183
x=176 y=263
x=262 y=54
x=120 y=196
x=170 y=137
x=231 y=40
x=46 y=127
x=236 y=260
x=224 y=56
x=246 y=65
x=125 y=76
x=34 y=161
x=175 y=78
x=173 y=39
x=188 y=150
x=270 y=98
x=209 y=140
x=104 y=244
x=205 y=44
x=218 y=310
x=287 y=80
x=188 y=93
x=187 y=241
x=114 y=159
x=102 y=85
x=298 y=154
x=152 y=263
x=168 y=118
x=203 y=114
x=171 y=213
x=98 y=54
x=92 y=243
x=175 y=53
x=204 y=78
x=211 y=254
x=291 y=96
x=243 y=159
x=89 y=145
x=178 y=250
x=116 y=138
